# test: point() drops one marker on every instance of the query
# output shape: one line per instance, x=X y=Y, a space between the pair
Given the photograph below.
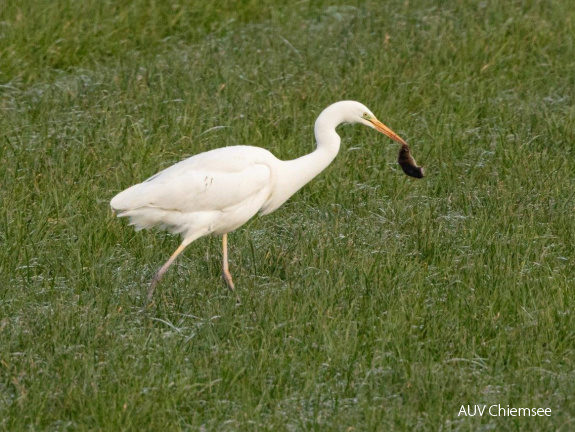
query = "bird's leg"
x=226 y=269
x=163 y=269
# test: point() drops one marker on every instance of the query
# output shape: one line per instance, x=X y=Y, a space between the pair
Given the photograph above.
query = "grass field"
x=370 y=301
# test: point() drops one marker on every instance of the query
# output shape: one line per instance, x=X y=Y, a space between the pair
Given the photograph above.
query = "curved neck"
x=292 y=175
x=305 y=168
x=326 y=137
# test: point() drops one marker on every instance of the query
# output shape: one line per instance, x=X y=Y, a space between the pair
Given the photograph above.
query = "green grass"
x=370 y=301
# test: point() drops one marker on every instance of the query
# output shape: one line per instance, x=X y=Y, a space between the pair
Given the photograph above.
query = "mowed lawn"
x=371 y=301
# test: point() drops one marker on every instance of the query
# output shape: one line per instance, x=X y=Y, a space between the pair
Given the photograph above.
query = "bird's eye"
x=365 y=115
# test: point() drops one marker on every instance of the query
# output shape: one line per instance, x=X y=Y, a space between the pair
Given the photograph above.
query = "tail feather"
x=186 y=224
x=150 y=217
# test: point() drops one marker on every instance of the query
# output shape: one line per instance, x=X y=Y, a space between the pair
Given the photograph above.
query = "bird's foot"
x=148 y=302
x=228 y=280
x=230 y=284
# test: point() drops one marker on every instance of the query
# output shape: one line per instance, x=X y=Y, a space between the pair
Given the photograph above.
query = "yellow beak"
x=386 y=131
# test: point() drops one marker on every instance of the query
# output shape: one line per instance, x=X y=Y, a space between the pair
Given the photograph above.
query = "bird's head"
x=355 y=112
x=363 y=115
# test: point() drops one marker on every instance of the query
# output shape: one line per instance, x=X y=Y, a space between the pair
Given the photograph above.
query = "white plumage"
x=202 y=193
x=220 y=190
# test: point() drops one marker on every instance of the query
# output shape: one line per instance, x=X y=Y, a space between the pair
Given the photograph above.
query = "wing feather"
x=215 y=180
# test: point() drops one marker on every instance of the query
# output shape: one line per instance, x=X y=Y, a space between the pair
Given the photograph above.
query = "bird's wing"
x=225 y=159
x=216 y=180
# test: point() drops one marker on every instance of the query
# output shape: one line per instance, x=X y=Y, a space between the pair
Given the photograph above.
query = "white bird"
x=220 y=190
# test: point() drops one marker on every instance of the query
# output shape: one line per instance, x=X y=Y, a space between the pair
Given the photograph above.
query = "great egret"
x=218 y=191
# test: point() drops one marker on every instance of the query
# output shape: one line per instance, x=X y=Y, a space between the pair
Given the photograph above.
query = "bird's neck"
x=291 y=176
x=305 y=168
